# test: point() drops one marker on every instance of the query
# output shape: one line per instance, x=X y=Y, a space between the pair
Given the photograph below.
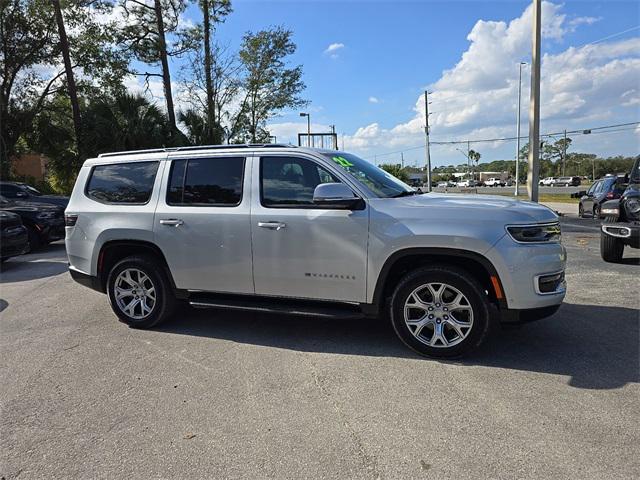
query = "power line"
x=582 y=131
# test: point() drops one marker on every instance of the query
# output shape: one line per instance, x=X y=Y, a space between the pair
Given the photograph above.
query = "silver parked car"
x=311 y=232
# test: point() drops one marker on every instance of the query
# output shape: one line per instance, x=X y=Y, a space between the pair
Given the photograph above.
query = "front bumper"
x=629 y=232
x=521 y=267
x=516 y=317
x=15 y=241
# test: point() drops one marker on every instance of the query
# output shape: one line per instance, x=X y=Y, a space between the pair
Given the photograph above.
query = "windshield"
x=379 y=182
x=31 y=190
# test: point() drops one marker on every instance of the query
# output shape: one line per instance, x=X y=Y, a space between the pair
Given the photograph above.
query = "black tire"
x=596 y=211
x=611 y=248
x=34 y=239
x=580 y=211
x=165 y=300
x=458 y=279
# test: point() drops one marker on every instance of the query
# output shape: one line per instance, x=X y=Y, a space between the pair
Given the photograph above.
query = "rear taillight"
x=70 y=219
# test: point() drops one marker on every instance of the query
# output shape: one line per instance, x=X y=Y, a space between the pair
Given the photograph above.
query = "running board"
x=278 y=305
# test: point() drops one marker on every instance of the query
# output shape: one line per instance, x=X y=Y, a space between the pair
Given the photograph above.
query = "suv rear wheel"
x=140 y=292
x=440 y=311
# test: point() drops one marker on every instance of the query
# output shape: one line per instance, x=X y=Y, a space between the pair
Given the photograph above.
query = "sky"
x=367 y=63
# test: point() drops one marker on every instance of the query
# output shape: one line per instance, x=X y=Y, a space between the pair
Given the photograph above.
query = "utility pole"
x=402 y=159
x=426 y=139
x=517 y=192
x=468 y=157
x=564 y=152
x=533 y=175
x=335 y=137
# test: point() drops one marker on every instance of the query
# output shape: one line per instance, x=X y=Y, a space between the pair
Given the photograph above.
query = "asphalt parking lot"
x=227 y=395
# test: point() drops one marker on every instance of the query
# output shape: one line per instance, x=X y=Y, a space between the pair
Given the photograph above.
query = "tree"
x=197 y=126
x=148 y=24
x=31 y=48
x=68 y=69
x=124 y=122
x=396 y=170
x=213 y=12
x=26 y=33
x=225 y=84
x=268 y=86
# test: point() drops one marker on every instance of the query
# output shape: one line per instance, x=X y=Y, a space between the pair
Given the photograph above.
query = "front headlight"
x=542 y=233
x=46 y=215
x=632 y=205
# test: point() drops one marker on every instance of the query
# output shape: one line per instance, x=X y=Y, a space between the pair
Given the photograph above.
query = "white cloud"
x=333 y=47
x=373 y=100
x=576 y=22
x=332 y=50
x=581 y=86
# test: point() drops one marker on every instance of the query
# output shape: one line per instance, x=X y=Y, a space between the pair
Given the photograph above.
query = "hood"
x=9 y=219
x=53 y=199
x=477 y=207
x=20 y=206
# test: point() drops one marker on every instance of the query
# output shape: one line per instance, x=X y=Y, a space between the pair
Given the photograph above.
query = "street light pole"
x=302 y=114
x=518 y=134
x=426 y=139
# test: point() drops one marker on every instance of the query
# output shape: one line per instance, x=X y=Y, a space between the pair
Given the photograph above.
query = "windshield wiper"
x=406 y=193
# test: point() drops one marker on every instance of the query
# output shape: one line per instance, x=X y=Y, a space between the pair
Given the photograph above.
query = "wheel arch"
x=113 y=251
x=406 y=260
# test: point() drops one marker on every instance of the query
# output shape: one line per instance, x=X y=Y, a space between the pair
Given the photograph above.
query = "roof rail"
x=197 y=147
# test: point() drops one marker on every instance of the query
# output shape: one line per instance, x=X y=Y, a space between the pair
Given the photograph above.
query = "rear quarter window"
x=123 y=183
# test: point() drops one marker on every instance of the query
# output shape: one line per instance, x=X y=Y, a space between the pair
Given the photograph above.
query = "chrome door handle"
x=171 y=222
x=272 y=225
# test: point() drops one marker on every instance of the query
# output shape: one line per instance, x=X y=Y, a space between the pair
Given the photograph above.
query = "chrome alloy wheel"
x=438 y=315
x=134 y=293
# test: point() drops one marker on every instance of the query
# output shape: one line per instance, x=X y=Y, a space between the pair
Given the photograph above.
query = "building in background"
x=30 y=165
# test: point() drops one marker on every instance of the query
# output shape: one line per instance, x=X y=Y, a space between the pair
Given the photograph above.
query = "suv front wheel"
x=440 y=311
x=140 y=292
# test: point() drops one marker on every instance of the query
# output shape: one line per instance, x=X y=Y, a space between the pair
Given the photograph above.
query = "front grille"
x=550 y=283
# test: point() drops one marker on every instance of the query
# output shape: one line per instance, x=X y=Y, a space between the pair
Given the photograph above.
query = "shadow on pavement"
x=596 y=346
x=45 y=262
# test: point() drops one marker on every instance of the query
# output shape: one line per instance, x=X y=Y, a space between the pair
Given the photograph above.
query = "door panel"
x=202 y=223
x=300 y=250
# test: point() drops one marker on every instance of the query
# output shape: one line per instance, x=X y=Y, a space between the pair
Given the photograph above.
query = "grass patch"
x=542 y=197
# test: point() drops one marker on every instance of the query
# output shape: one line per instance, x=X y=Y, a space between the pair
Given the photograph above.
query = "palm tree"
x=128 y=122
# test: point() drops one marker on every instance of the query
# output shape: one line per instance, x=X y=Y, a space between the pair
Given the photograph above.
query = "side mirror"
x=579 y=194
x=21 y=194
x=336 y=195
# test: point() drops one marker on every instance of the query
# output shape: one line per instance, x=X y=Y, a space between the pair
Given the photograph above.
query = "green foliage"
x=396 y=170
x=30 y=59
x=268 y=84
x=126 y=122
x=141 y=33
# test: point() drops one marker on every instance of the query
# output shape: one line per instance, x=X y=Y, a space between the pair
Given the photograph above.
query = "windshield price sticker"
x=343 y=162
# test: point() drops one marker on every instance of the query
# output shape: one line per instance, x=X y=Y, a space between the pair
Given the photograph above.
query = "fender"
x=611 y=209
x=435 y=255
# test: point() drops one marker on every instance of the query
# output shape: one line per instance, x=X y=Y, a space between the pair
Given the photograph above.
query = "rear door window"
x=206 y=182
x=126 y=183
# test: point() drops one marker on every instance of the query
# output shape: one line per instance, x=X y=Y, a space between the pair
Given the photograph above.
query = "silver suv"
x=284 y=229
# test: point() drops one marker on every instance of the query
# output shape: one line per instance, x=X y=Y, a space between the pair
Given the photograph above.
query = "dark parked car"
x=44 y=222
x=567 y=182
x=22 y=191
x=621 y=225
x=607 y=188
x=14 y=239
